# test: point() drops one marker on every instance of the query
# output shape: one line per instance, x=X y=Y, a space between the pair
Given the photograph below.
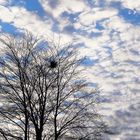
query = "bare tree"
x=43 y=95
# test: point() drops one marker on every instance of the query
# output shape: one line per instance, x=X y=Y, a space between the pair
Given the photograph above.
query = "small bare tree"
x=42 y=93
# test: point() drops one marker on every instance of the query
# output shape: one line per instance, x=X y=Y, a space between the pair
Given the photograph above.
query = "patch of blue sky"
x=115 y=4
x=7 y=27
x=109 y=50
x=113 y=33
x=95 y=34
x=96 y=3
x=104 y=99
x=89 y=62
x=30 y=5
x=42 y=46
x=72 y=17
x=55 y=28
x=131 y=16
x=69 y=29
x=135 y=52
x=91 y=84
x=99 y=26
x=134 y=63
x=91 y=3
x=83 y=95
x=80 y=45
x=102 y=3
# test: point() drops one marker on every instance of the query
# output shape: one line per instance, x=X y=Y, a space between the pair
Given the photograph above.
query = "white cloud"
x=4 y=2
x=30 y=21
x=131 y=4
x=90 y=17
x=5 y=14
x=117 y=24
x=120 y=37
x=63 y=5
x=23 y=19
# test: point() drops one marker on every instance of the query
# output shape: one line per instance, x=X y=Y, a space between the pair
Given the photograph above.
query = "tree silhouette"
x=43 y=95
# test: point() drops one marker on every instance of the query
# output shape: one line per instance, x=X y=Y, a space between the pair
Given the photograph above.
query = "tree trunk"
x=39 y=134
x=56 y=137
x=55 y=128
x=26 y=128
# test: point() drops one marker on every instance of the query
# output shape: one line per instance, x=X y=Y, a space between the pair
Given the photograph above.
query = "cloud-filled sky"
x=107 y=32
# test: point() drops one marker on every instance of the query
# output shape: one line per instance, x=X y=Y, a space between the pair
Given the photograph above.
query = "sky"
x=107 y=33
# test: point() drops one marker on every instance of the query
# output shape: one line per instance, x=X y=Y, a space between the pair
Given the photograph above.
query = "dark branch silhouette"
x=42 y=92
